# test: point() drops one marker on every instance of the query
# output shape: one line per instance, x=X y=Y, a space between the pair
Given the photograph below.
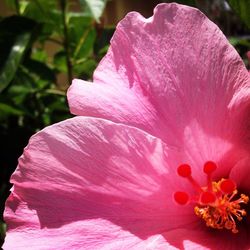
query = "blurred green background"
x=45 y=44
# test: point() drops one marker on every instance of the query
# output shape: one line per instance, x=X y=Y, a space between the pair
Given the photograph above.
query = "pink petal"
x=114 y=103
x=202 y=238
x=90 y=235
x=240 y=174
x=90 y=182
x=175 y=69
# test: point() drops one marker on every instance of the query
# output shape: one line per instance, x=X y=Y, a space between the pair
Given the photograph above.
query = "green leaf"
x=82 y=35
x=46 y=13
x=95 y=7
x=7 y=109
x=85 y=68
x=60 y=61
x=80 y=20
x=2 y=229
x=17 y=51
x=85 y=44
x=39 y=54
x=40 y=9
x=10 y=3
x=39 y=71
x=238 y=41
x=23 y=6
x=18 y=93
x=103 y=41
x=186 y=2
x=10 y=28
x=15 y=37
x=242 y=8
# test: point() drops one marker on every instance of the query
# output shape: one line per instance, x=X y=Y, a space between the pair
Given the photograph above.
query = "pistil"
x=217 y=203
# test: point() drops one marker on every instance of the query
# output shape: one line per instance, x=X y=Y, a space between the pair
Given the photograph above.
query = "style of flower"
x=158 y=155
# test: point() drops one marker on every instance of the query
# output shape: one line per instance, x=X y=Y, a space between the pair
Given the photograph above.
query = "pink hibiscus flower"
x=165 y=122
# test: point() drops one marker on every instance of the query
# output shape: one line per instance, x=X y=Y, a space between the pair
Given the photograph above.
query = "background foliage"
x=44 y=44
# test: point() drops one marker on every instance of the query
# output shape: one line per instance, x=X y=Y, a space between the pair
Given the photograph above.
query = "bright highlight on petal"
x=217 y=203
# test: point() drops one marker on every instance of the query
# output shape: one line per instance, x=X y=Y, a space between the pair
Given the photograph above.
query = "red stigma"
x=207 y=198
x=181 y=198
x=184 y=170
x=227 y=186
x=209 y=167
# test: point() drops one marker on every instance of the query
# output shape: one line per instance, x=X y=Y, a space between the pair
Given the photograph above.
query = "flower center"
x=218 y=203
